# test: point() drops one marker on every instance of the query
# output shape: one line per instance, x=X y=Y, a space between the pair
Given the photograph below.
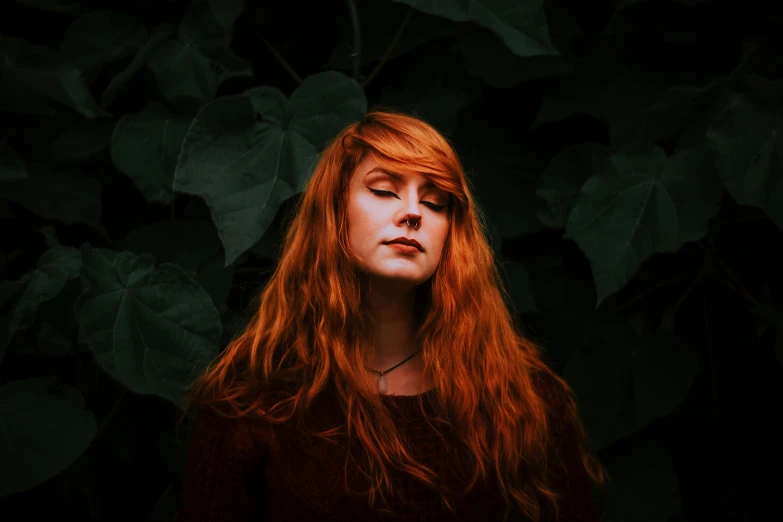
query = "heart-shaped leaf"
x=152 y=329
x=421 y=91
x=628 y=381
x=100 y=37
x=598 y=373
x=55 y=268
x=193 y=245
x=622 y=4
x=748 y=150
x=381 y=22
x=643 y=485
x=82 y=140
x=518 y=283
x=261 y=147
x=501 y=169
x=145 y=147
x=505 y=69
x=139 y=61
x=638 y=205
x=67 y=197
x=664 y=367
x=16 y=98
x=226 y=12
x=521 y=25
x=38 y=68
x=12 y=168
x=57 y=6
x=190 y=68
x=44 y=432
x=560 y=183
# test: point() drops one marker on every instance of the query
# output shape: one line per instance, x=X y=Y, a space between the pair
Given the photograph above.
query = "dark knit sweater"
x=238 y=471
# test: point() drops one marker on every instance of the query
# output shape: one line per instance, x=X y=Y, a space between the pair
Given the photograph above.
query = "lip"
x=405 y=241
x=408 y=249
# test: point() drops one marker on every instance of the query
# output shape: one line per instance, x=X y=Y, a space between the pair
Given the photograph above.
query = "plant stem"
x=357 y=39
x=282 y=61
x=389 y=49
x=740 y=286
x=647 y=291
x=684 y=296
x=710 y=347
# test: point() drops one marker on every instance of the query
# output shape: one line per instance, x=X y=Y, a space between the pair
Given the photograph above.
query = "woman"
x=379 y=382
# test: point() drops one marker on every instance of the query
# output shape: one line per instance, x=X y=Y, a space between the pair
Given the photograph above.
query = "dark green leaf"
x=53 y=342
x=55 y=268
x=602 y=85
x=139 y=60
x=637 y=205
x=422 y=90
x=152 y=329
x=190 y=68
x=82 y=140
x=165 y=508
x=226 y=12
x=747 y=147
x=438 y=106
x=560 y=183
x=521 y=25
x=664 y=367
x=502 y=169
x=57 y=6
x=12 y=168
x=598 y=373
x=232 y=323
x=263 y=147
x=19 y=99
x=37 y=68
x=772 y=317
x=505 y=69
x=63 y=196
x=622 y=4
x=44 y=432
x=10 y=288
x=518 y=285
x=676 y=108
x=145 y=147
x=649 y=496
x=380 y=23
x=561 y=292
x=100 y=37
x=193 y=245
x=625 y=382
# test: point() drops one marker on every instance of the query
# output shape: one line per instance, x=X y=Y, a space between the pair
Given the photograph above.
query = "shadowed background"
x=626 y=154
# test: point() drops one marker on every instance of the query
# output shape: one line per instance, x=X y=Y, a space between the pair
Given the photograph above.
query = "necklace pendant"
x=382 y=383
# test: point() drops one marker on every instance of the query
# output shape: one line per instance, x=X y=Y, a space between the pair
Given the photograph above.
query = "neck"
x=393 y=310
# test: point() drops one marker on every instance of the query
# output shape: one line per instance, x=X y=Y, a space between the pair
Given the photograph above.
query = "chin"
x=398 y=279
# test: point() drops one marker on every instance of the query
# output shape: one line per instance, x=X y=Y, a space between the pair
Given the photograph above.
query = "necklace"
x=382 y=375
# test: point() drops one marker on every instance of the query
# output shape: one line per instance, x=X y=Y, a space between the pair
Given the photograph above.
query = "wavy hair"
x=309 y=330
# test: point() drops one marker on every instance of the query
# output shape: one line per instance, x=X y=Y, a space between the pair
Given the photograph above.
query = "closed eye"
x=386 y=194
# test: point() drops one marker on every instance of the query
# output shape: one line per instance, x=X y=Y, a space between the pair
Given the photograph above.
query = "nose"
x=411 y=203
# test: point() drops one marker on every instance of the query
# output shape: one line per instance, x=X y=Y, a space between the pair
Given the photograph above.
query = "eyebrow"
x=427 y=184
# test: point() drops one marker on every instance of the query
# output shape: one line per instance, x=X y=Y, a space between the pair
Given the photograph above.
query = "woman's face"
x=374 y=219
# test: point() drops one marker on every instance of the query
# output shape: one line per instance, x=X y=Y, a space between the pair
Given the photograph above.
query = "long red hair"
x=310 y=329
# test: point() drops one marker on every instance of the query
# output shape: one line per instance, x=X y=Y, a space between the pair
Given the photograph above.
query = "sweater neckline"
x=403 y=398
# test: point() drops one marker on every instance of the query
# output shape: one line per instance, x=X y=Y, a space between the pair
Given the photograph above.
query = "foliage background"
x=627 y=154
